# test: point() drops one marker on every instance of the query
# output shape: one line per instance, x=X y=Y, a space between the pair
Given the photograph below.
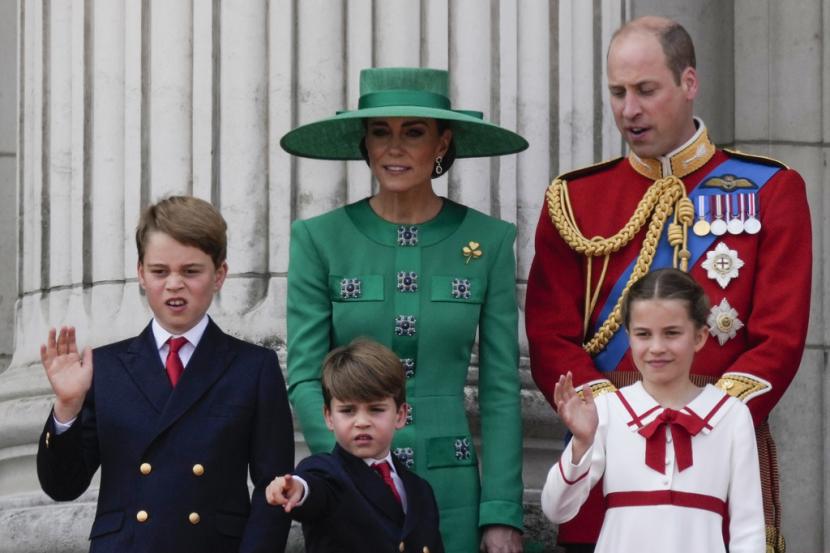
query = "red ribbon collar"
x=683 y=426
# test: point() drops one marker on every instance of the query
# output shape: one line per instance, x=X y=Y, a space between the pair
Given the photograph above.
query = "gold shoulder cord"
x=664 y=197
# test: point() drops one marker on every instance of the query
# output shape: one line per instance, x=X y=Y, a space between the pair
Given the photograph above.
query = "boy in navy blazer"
x=175 y=417
x=360 y=497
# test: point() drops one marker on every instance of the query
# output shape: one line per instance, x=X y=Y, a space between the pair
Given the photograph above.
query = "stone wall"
x=120 y=104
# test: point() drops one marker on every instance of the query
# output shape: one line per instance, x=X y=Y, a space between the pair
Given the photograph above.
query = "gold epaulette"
x=589 y=169
x=599 y=387
x=743 y=386
x=764 y=160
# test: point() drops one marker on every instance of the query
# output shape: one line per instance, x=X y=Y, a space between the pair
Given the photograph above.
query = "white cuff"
x=306 y=491
x=572 y=473
x=61 y=427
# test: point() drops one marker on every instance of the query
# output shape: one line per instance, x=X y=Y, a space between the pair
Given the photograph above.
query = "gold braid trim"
x=743 y=386
x=775 y=540
x=664 y=197
x=598 y=388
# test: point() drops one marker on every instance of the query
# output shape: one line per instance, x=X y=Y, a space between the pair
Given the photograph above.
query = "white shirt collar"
x=369 y=461
x=701 y=128
x=706 y=405
x=194 y=335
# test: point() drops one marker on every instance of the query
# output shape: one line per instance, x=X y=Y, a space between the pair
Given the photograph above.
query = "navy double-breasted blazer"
x=175 y=462
x=350 y=509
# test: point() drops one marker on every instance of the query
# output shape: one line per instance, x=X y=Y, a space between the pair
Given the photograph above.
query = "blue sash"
x=758 y=174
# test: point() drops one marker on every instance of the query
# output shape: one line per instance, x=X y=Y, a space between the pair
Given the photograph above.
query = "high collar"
x=384 y=232
x=686 y=159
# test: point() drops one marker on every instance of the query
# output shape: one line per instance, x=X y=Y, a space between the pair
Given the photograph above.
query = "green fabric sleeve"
x=309 y=336
x=499 y=394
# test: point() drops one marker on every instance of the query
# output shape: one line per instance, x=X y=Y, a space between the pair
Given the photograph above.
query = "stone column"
x=8 y=177
x=121 y=104
x=781 y=110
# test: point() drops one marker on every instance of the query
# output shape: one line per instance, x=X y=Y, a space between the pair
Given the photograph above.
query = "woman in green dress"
x=420 y=274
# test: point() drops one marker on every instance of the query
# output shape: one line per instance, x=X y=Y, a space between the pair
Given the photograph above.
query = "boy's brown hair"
x=363 y=370
x=188 y=220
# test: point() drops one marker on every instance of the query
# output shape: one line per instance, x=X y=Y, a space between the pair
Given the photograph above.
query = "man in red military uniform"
x=738 y=223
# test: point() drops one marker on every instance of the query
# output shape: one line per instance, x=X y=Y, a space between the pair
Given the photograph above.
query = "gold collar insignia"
x=687 y=159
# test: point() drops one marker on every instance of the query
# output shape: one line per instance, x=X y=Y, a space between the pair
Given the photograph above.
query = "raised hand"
x=69 y=373
x=285 y=491
x=578 y=413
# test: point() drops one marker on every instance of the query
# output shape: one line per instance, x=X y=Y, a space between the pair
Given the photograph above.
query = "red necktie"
x=174 y=362
x=386 y=473
x=683 y=427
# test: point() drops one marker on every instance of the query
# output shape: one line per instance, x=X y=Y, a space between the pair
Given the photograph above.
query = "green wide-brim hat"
x=401 y=92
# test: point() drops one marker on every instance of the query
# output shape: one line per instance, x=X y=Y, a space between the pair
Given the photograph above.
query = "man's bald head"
x=676 y=43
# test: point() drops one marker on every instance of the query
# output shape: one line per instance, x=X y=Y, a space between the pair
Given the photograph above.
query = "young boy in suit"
x=360 y=497
x=176 y=416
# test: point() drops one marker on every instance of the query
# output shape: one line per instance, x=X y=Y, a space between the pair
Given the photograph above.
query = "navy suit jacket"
x=350 y=509
x=179 y=456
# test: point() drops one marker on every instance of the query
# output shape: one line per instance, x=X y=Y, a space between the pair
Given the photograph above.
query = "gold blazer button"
x=194 y=518
x=142 y=516
x=146 y=468
x=198 y=469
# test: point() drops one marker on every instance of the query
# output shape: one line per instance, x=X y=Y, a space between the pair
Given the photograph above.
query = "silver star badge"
x=723 y=321
x=722 y=264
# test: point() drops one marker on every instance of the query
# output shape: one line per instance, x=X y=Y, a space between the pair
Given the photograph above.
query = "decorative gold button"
x=426 y=549
x=146 y=468
x=401 y=547
x=198 y=469
x=142 y=516
x=194 y=518
x=46 y=440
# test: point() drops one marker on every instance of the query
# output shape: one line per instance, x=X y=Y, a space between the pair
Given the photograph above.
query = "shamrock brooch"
x=471 y=251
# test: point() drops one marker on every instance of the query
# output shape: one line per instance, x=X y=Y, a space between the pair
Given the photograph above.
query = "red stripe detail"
x=634 y=418
x=650 y=411
x=667 y=497
x=715 y=409
x=565 y=478
x=706 y=425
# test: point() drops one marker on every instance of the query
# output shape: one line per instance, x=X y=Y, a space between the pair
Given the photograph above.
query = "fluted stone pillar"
x=122 y=103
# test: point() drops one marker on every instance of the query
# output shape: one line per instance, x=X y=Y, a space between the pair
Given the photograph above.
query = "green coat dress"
x=413 y=289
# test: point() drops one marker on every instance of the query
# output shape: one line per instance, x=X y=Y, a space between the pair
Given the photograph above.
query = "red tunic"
x=771 y=294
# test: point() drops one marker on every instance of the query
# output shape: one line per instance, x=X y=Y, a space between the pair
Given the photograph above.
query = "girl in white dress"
x=676 y=458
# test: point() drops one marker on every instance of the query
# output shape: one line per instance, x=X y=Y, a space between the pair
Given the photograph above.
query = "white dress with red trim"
x=674 y=475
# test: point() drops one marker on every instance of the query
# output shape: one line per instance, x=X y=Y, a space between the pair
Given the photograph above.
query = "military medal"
x=722 y=264
x=723 y=321
x=701 y=227
x=752 y=225
x=718 y=226
x=734 y=216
